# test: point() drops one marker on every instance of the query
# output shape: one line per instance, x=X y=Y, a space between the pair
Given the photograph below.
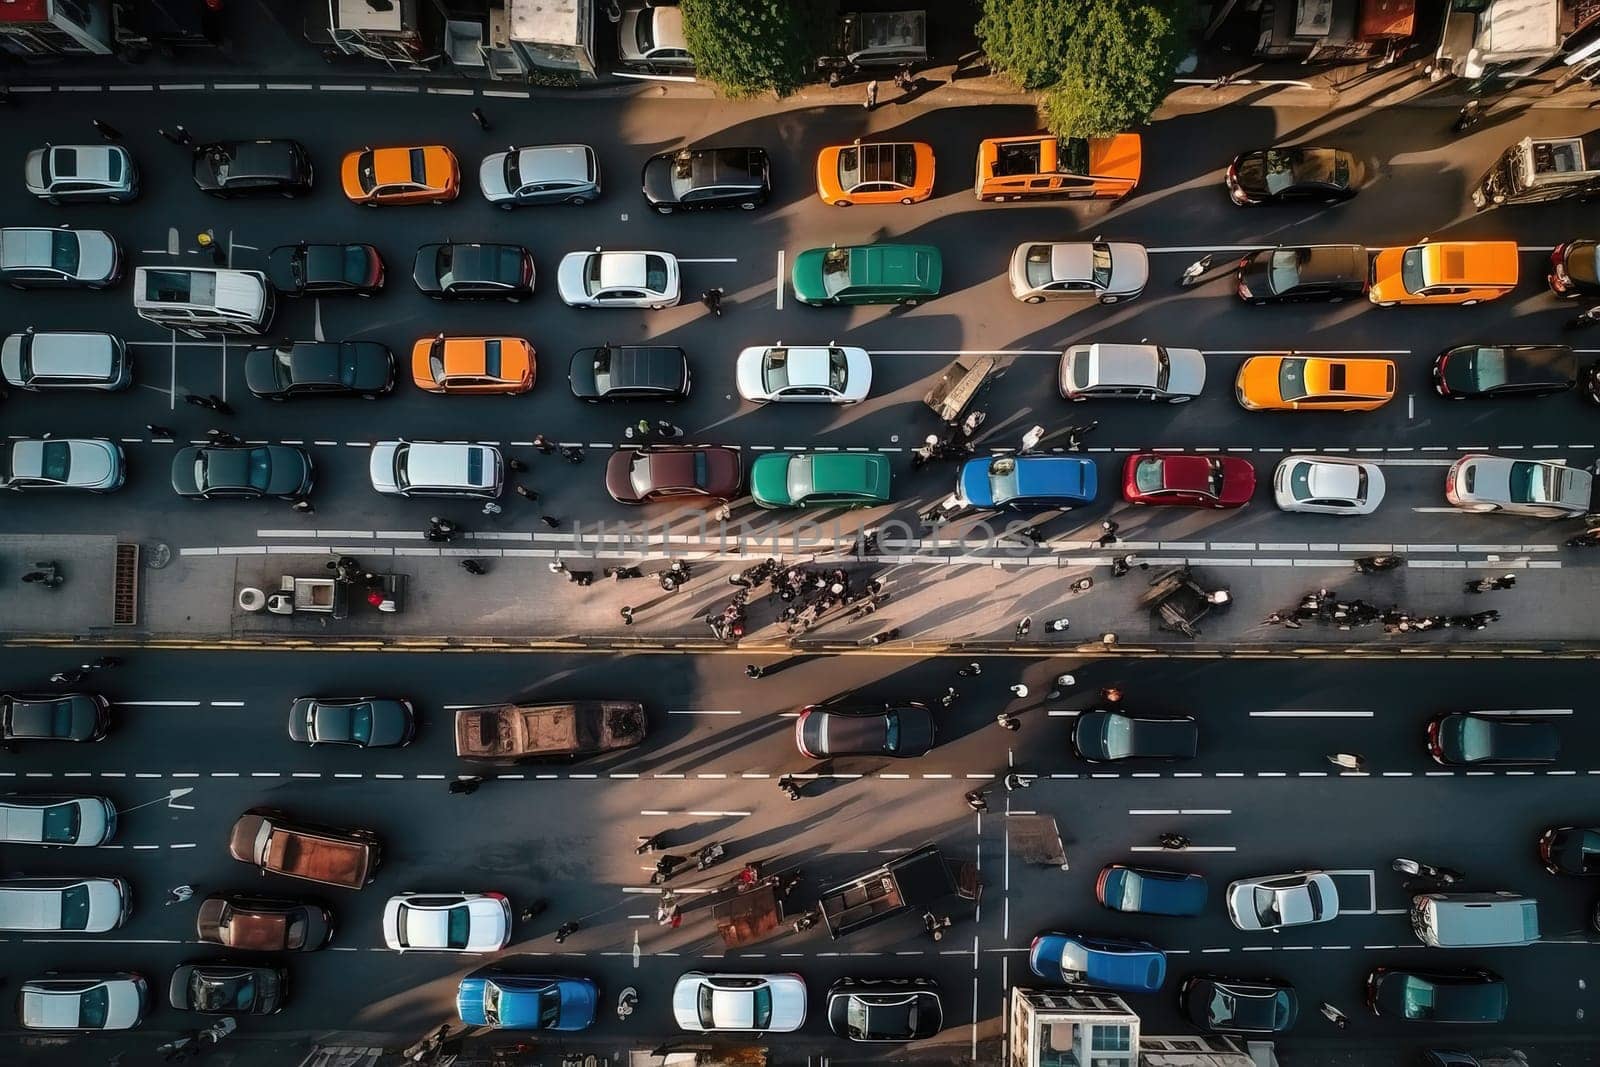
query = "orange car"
x=425 y=174
x=1293 y=382
x=1028 y=168
x=473 y=364
x=1450 y=272
x=886 y=172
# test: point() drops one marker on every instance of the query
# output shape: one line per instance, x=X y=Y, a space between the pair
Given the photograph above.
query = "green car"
x=867 y=274
x=820 y=479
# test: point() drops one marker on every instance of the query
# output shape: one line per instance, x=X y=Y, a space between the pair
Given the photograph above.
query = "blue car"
x=1110 y=963
x=1150 y=891
x=1026 y=482
x=508 y=1001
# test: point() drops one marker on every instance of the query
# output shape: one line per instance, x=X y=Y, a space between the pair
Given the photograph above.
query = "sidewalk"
x=934 y=604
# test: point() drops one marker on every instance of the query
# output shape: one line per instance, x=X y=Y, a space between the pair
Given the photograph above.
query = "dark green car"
x=820 y=479
x=867 y=274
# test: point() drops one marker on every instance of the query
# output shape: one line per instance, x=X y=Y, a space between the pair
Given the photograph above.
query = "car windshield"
x=761 y=998
x=549 y=1008
x=775 y=371
x=1285 y=265
x=92 y=1008
x=1072 y=155
x=1266 y=905
x=1003 y=480
x=75 y=908
x=891 y=732
x=602 y=370
x=1038 y=266
x=655 y=274
x=1411 y=276
x=1488 y=367
x=1279 y=166
x=835 y=270
x=1079 y=367
x=642 y=27
x=1147 y=475
x=1477 y=739
x=60 y=824
x=64 y=252
x=1533 y=483
x=1132 y=890
x=1118 y=736
x=215 y=994
x=460 y=925
x=801 y=483
x=365 y=173
x=491 y=1003
x=1292 y=379
x=1300 y=481
x=361 y=723
x=55 y=461
x=355 y=263
x=1102 y=266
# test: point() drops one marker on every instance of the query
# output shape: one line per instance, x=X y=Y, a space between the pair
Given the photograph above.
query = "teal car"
x=867 y=274
x=820 y=479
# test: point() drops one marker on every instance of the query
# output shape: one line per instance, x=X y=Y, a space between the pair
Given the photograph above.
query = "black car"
x=629 y=372
x=1488 y=371
x=1462 y=739
x=253 y=168
x=307 y=368
x=474 y=272
x=1575 y=269
x=1291 y=173
x=242 y=472
x=53 y=717
x=1445 y=1057
x=364 y=722
x=1571 y=850
x=888 y=730
x=1107 y=736
x=885 y=1009
x=220 y=988
x=1238 y=1005
x=693 y=178
x=1437 y=996
x=296 y=270
x=1296 y=273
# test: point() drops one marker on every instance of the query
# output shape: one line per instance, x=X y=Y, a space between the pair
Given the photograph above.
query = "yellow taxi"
x=1074 y=168
x=1295 y=382
x=1446 y=272
x=424 y=174
x=443 y=364
x=881 y=172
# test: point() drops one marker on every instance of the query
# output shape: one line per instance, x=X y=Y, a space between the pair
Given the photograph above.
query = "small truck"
x=268 y=840
x=506 y=733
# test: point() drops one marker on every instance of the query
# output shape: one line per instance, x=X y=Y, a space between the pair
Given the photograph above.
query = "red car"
x=1190 y=481
x=640 y=475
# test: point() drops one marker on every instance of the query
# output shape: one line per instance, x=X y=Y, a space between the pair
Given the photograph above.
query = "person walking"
x=106 y=130
x=753 y=671
x=566 y=930
x=66 y=677
x=525 y=493
x=971 y=670
x=978 y=801
x=543 y=444
x=871 y=101
x=472 y=566
x=303 y=506
x=668 y=430
x=1121 y=565
x=1031 y=439
x=491 y=508
x=712 y=299
x=158 y=432
x=178 y=135
x=1335 y=1016
x=550 y=521
x=1024 y=626
x=1350 y=761
x=515 y=465
x=1019 y=691
x=1175 y=842
x=1470 y=115
x=223 y=439
x=1505 y=581
x=465 y=786
x=1007 y=721
x=626 y=612
x=533 y=911
x=790 y=787
x=572 y=454
x=1193 y=272
x=949 y=697
x=179 y=894
x=481 y=119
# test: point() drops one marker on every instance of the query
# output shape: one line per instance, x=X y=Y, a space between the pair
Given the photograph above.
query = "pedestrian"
x=303 y=506
x=178 y=135
x=1111 y=695
x=1075 y=435
x=712 y=299
x=1121 y=565
x=872 y=95
x=1335 y=1016
x=1108 y=639
x=217 y=404
x=1191 y=273
x=1108 y=533
x=1350 y=761
x=1031 y=439
x=514 y=465
x=1015 y=781
x=179 y=894
x=543 y=444
x=627 y=614
x=106 y=130
x=790 y=788
x=66 y=677
x=667 y=429
x=1175 y=842
x=222 y=438
x=557 y=566
x=103 y=663
x=533 y=911
x=1505 y=581
x=903 y=80
x=525 y=493
x=1007 y=721
x=1476 y=585
x=572 y=454
x=884 y=636
x=752 y=671
x=1019 y=691
x=971 y=670
x=1024 y=626
x=465 y=786
x=472 y=566
x=1469 y=115
x=158 y=432
x=550 y=521
x=949 y=697
x=566 y=930
x=480 y=118
x=976 y=800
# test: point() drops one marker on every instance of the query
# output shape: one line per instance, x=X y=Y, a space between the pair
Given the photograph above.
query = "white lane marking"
x=1186 y=848
x=1311 y=714
x=157 y=703
x=729 y=260
x=779 y=287
x=965 y=352
x=1170 y=249
x=1306 y=351
x=702 y=711
x=1180 y=811
x=1526 y=711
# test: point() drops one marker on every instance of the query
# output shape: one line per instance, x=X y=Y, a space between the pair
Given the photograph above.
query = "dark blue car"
x=509 y=1001
x=1150 y=891
x=1107 y=962
x=1027 y=482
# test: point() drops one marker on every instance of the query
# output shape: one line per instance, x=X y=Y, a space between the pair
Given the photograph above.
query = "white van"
x=1475 y=920
x=204 y=300
x=64 y=905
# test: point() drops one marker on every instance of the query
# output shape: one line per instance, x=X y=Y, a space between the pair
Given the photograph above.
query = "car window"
x=1292 y=379
x=835 y=271
x=762 y=997
x=800 y=483
x=1102 y=266
x=57 y=461
x=1285 y=265
x=260 y=469
x=1411 y=269
x=60 y=824
x=1147 y=475
x=775 y=370
x=1266 y=906
x=92 y=1007
x=1477 y=739
x=1278 y=169
x=1038 y=266
x=460 y=926
x=1214 y=477
x=549 y=1008
x=1003 y=480
x=1079 y=370
x=655 y=274
x=705 y=1002
x=891 y=732
x=361 y=723
x=64 y=252
x=75 y=908
x=1532 y=483
x=1118 y=737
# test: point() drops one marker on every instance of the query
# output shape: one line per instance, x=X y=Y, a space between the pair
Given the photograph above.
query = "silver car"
x=434 y=468
x=601 y=279
x=651 y=36
x=770 y=1003
x=115 y=1001
x=1277 y=901
x=1132 y=372
x=1107 y=271
x=73 y=821
x=88 y=463
x=61 y=359
x=831 y=374
x=540 y=174
x=81 y=173
x=33 y=257
x=1543 y=489
x=1328 y=485
x=64 y=905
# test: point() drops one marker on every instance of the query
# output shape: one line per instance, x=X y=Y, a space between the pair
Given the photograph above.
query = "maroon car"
x=640 y=475
x=1188 y=480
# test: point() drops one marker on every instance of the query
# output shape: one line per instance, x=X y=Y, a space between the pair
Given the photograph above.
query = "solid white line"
x=702 y=711
x=964 y=352
x=779 y=287
x=1189 y=848
x=729 y=260
x=1307 y=351
x=157 y=703
x=1526 y=711
x=1206 y=248
x=1311 y=714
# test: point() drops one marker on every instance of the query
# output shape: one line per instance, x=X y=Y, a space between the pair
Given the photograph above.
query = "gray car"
x=1132 y=372
x=248 y=472
x=81 y=173
x=92 y=464
x=56 y=820
x=64 y=905
x=33 y=257
x=115 y=1001
x=540 y=174
x=650 y=37
x=436 y=468
x=54 y=716
x=61 y=359
x=1542 y=489
x=1079 y=270
x=364 y=722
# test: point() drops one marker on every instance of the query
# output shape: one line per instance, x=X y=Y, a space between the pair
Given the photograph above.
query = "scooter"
x=626 y=1002
x=1442 y=875
x=709 y=856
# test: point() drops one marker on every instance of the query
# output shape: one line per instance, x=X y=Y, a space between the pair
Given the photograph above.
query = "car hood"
x=769 y=478
x=619 y=475
x=569 y=277
x=184 y=481
x=657 y=179
x=492 y=176
x=33 y=170
x=917 y=730
x=367 y=365
x=747 y=372
x=390 y=723
x=288 y=470
x=380 y=466
x=1130 y=267
x=97 y=255
x=425 y=268
x=1186 y=371
x=280 y=268
x=972 y=484
x=806 y=274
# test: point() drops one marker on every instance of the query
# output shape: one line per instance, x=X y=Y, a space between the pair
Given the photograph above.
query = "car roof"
x=88 y=162
x=623 y=270
x=264 y=159
x=1469 y=263
x=554 y=162
x=435 y=463
x=1118 y=364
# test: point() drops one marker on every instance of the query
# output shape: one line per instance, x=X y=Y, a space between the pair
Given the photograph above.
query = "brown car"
x=268 y=841
x=262 y=924
x=640 y=475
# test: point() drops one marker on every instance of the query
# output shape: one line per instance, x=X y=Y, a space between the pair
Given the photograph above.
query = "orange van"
x=1077 y=168
x=1449 y=272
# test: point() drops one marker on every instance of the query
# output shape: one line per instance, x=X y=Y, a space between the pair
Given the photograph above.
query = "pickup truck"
x=272 y=843
x=917 y=880
x=509 y=732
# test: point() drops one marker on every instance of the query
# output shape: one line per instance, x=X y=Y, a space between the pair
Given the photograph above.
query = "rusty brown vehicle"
x=273 y=844
x=505 y=733
x=264 y=924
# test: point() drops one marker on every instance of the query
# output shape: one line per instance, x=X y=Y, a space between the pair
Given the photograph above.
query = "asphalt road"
x=1180 y=210
x=1259 y=800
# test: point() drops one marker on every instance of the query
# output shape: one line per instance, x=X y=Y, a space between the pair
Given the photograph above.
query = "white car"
x=81 y=173
x=89 y=463
x=32 y=257
x=1543 y=489
x=540 y=174
x=77 y=821
x=447 y=922
x=436 y=468
x=64 y=905
x=651 y=35
x=767 y=1003
x=1131 y=372
x=1328 y=485
x=601 y=279
x=1107 y=271
x=115 y=1001
x=1281 y=900
x=834 y=374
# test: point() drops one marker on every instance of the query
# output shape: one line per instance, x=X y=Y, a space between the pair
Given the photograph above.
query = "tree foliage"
x=749 y=47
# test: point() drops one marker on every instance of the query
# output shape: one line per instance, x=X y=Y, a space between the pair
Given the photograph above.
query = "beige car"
x=1106 y=271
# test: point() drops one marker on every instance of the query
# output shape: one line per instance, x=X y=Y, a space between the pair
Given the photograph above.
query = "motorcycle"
x=626 y=1002
x=709 y=856
x=1417 y=869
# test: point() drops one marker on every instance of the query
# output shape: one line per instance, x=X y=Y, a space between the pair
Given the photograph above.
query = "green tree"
x=749 y=47
x=1029 y=39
